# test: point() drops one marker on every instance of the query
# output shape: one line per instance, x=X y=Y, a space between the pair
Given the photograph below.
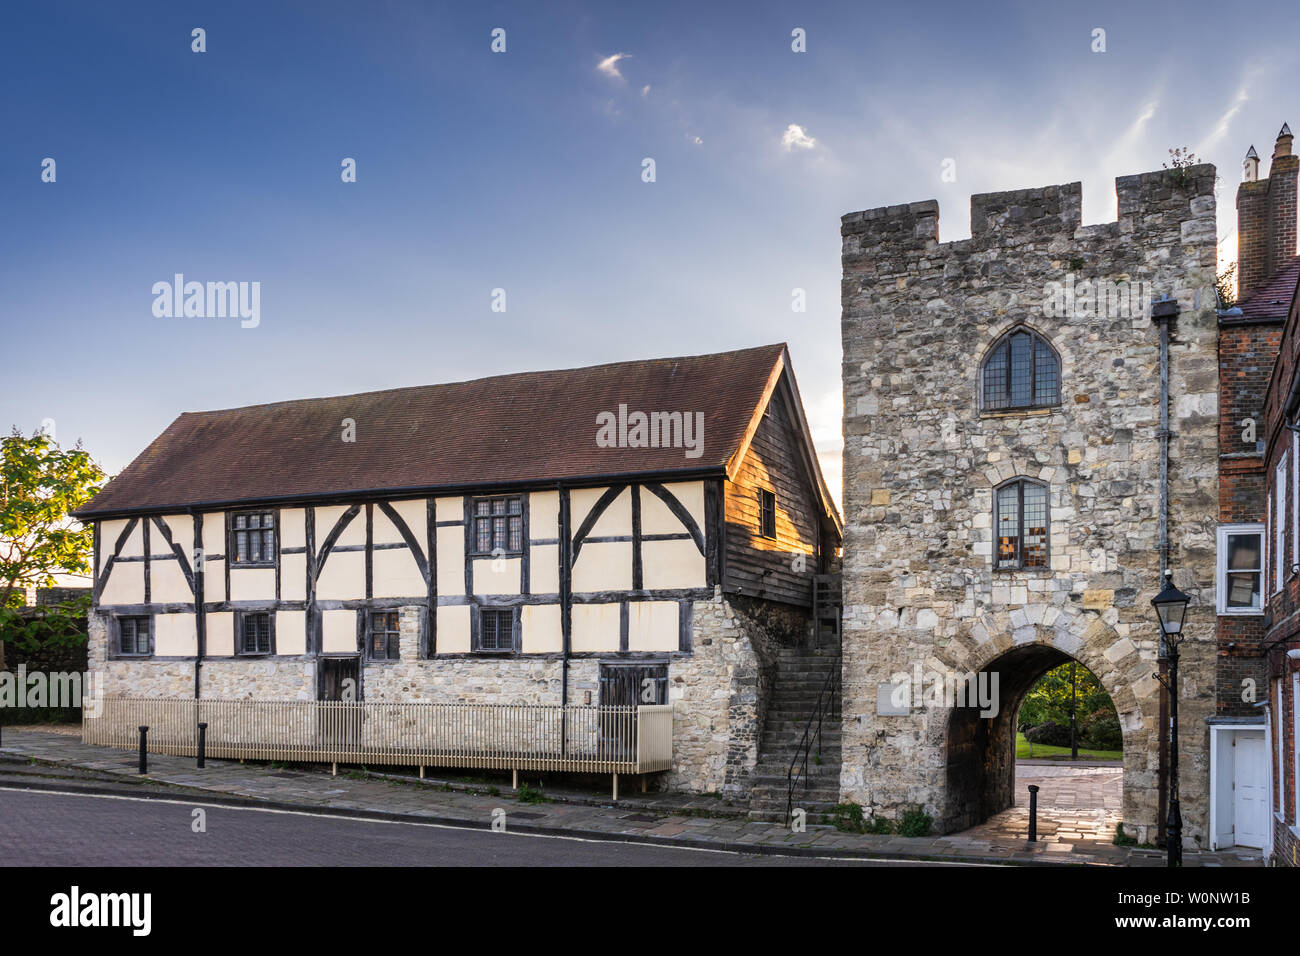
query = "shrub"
x=1122 y=838
x=1049 y=733
x=915 y=823
x=1103 y=733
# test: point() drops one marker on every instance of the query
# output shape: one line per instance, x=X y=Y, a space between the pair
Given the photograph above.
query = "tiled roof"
x=1273 y=299
x=532 y=427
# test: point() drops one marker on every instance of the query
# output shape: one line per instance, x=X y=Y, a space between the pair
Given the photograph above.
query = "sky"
x=524 y=171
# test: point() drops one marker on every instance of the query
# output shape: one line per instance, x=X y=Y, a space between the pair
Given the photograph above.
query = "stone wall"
x=921 y=461
x=718 y=691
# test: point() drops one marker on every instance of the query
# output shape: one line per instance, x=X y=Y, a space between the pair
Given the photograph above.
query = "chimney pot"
x=1251 y=166
x=1283 y=145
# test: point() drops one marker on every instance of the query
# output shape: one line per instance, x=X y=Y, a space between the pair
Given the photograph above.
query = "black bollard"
x=144 y=759
x=203 y=734
x=1033 y=813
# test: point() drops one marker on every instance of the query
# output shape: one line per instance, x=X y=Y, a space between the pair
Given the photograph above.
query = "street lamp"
x=1171 y=610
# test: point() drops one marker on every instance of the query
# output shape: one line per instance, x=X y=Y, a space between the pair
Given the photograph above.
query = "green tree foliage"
x=40 y=483
x=1049 y=699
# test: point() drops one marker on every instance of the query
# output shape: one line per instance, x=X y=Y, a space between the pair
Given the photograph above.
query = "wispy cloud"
x=609 y=66
x=794 y=137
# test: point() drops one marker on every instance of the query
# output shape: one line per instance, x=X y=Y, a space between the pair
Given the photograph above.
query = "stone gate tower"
x=1002 y=483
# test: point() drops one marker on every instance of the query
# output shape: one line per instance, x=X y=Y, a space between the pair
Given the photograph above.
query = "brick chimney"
x=1266 y=216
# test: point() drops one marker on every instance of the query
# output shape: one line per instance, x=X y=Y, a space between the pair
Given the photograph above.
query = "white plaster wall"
x=338 y=632
x=603 y=566
x=542 y=630
x=672 y=564
x=174 y=635
x=497 y=575
x=252 y=584
x=291 y=632
x=652 y=626
x=453 y=630
x=220 y=633
x=595 y=627
x=397 y=575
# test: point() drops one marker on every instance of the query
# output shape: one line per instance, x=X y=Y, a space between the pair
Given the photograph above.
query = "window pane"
x=498 y=533
x=515 y=507
x=483 y=542
x=1008 y=530
x=499 y=506
x=1020 y=369
x=1035 y=544
x=268 y=545
x=1243 y=552
x=995 y=379
x=1243 y=590
x=1045 y=387
x=241 y=546
x=241 y=521
x=516 y=533
x=482 y=507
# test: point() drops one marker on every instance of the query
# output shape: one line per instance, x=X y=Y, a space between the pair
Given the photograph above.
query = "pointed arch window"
x=1020 y=524
x=1021 y=370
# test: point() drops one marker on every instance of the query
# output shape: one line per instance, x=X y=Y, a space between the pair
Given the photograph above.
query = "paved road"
x=49 y=829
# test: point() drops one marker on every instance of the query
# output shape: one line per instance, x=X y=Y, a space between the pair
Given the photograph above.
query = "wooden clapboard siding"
x=763 y=567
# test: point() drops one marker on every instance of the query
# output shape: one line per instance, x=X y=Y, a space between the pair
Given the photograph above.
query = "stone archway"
x=1019 y=647
x=960 y=766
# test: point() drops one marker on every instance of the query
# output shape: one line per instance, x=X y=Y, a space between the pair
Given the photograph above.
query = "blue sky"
x=522 y=171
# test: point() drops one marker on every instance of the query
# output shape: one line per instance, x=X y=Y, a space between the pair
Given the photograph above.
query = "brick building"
x=1250 y=333
x=1272 y=270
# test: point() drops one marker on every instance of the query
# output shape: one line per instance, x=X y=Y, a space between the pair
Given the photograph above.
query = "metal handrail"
x=825 y=703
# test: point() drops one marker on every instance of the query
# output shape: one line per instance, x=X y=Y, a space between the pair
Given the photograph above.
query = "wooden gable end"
x=769 y=567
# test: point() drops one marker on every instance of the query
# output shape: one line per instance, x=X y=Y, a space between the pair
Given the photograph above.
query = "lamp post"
x=1171 y=609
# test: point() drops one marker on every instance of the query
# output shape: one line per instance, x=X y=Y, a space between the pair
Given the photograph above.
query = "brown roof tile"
x=1273 y=299
x=531 y=428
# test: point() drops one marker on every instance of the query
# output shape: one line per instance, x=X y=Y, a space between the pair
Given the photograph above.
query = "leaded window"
x=1020 y=521
x=252 y=537
x=498 y=525
x=385 y=636
x=133 y=637
x=767 y=513
x=496 y=629
x=1021 y=371
x=255 y=633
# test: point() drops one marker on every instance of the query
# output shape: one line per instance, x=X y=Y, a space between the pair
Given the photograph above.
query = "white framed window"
x=1295 y=502
x=1279 y=524
x=1280 y=776
x=1241 y=569
x=1295 y=743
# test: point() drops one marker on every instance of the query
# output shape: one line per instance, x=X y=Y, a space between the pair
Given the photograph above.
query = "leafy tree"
x=39 y=484
x=1050 y=698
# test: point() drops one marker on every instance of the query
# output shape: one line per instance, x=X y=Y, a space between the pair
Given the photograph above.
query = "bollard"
x=144 y=758
x=203 y=739
x=1033 y=813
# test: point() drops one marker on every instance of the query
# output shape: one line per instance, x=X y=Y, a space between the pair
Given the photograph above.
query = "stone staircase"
x=801 y=675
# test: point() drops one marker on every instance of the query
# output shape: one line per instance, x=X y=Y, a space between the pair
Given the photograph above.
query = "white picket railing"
x=488 y=736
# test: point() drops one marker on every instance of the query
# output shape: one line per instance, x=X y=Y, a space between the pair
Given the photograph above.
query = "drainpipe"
x=200 y=618
x=566 y=607
x=1163 y=312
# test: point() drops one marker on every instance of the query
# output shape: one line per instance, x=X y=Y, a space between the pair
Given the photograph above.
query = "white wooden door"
x=1250 y=790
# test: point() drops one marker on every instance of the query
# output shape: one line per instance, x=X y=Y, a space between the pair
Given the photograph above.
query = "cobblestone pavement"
x=61 y=762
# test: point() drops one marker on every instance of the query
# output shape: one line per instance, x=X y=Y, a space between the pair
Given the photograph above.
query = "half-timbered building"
x=639 y=532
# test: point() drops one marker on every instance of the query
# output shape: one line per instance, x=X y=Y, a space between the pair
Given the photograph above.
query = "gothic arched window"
x=1020 y=524
x=1020 y=371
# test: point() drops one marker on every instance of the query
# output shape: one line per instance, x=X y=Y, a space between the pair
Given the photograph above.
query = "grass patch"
x=1046 y=752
